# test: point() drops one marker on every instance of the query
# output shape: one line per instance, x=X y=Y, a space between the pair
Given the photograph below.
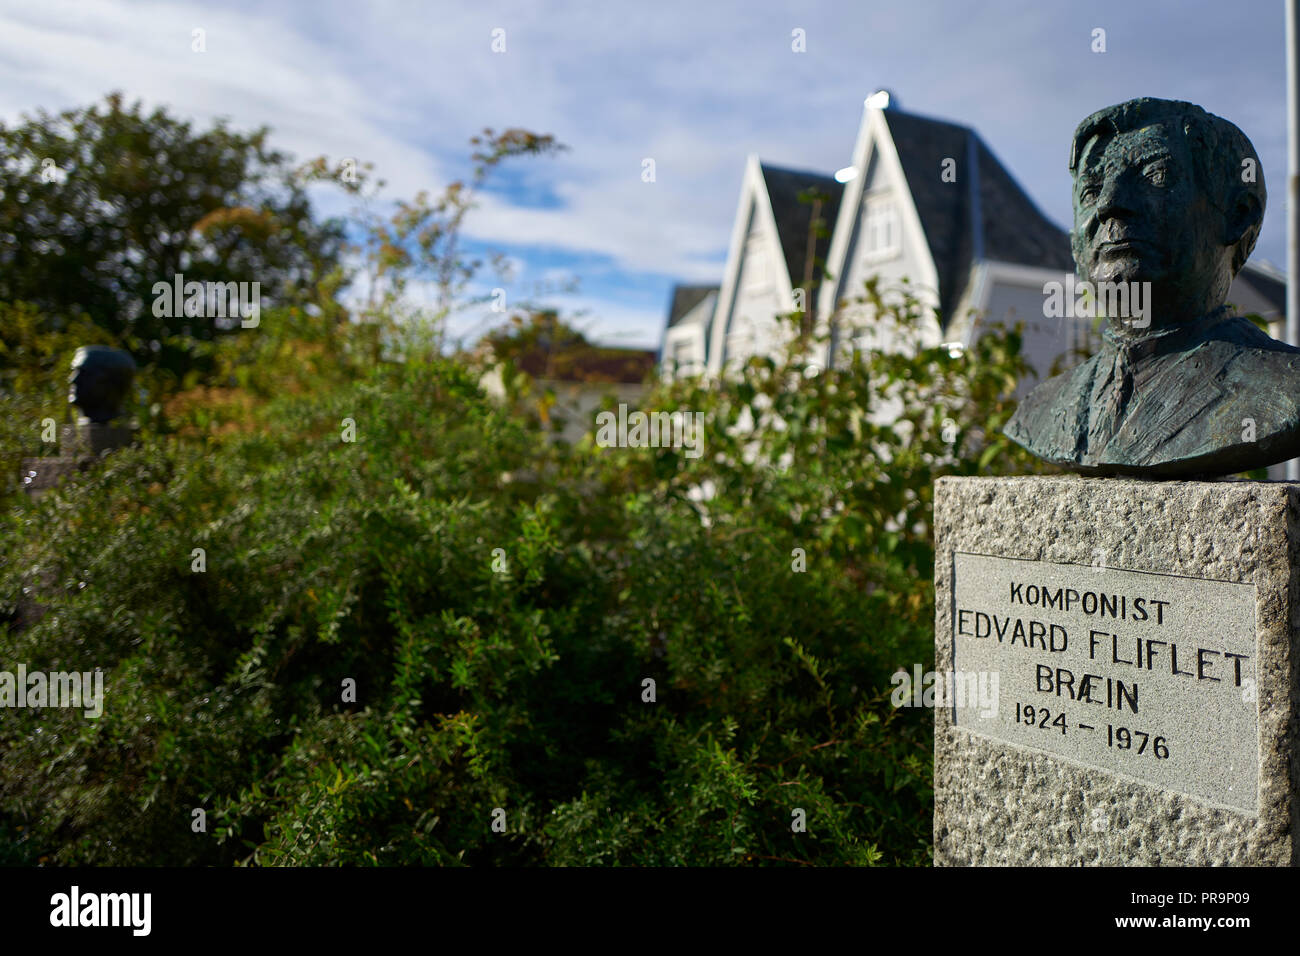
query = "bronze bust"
x=1171 y=197
x=100 y=381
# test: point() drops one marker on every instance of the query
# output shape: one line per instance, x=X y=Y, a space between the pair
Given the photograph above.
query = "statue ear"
x=1245 y=213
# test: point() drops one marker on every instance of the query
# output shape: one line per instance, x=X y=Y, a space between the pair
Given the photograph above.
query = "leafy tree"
x=420 y=240
x=99 y=204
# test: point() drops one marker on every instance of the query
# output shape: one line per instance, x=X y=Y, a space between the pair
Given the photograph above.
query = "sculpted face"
x=1141 y=215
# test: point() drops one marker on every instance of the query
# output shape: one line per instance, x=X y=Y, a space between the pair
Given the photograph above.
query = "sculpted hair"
x=1217 y=147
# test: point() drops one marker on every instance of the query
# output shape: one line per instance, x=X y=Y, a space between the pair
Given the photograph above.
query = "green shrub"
x=499 y=602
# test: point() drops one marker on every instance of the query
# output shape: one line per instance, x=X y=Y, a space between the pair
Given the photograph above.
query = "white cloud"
x=694 y=86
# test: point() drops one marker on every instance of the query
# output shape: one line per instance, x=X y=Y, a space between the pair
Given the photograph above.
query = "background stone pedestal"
x=1000 y=803
x=91 y=438
x=79 y=446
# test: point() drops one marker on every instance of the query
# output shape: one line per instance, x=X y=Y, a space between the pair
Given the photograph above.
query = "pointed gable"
x=944 y=209
x=686 y=298
x=896 y=218
x=984 y=215
x=794 y=218
x=767 y=258
x=684 y=348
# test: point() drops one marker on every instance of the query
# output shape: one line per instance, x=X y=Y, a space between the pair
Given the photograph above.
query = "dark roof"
x=685 y=298
x=794 y=217
x=1010 y=227
x=1270 y=287
x=588 y=363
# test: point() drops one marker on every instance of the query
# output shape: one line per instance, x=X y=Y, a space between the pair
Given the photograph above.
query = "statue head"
x=100 y=381
x=1165 y=193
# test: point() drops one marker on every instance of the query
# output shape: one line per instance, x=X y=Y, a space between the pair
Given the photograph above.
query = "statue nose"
x=1115 y=198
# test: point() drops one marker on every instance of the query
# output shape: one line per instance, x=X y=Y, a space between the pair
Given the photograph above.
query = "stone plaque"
x=1150 y=676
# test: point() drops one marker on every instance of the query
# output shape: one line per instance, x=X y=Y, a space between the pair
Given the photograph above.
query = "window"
x=880 y=228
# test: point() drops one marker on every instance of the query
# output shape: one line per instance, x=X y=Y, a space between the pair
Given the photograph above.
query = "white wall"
x=683 y=352
x=909 y=258
x=754 y=329
x=1008 y=300
x=684 y=349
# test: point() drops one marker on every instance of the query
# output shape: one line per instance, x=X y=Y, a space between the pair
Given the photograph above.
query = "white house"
x=922 y=198
x=773 y=253
x=690 y=317
x=927 y=200
x=782 y=229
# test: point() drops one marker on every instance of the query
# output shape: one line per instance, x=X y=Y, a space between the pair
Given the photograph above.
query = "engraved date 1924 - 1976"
x=1119 y=738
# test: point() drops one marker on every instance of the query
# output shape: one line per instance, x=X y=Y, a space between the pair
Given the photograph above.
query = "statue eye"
x=1089 y=192
x=1157 y=173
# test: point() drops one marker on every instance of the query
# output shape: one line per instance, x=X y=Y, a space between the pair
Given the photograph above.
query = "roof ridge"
x=929 y=119
x=1016 y=183
x=798 y=172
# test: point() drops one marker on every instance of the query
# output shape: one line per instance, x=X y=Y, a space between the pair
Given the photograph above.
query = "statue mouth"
x=1122 y=246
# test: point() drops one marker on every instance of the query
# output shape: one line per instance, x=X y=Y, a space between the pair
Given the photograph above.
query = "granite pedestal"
x=1141 y=637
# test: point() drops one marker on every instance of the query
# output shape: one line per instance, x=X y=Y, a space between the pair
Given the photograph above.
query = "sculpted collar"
x=1136 y=346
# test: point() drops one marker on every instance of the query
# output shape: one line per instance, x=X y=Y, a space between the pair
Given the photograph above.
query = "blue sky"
x=695 y=86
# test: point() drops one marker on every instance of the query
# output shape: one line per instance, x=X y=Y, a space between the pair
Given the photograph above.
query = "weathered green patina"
x=1169 y=197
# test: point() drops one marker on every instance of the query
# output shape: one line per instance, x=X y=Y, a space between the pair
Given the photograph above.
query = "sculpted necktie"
x=1111 y=400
